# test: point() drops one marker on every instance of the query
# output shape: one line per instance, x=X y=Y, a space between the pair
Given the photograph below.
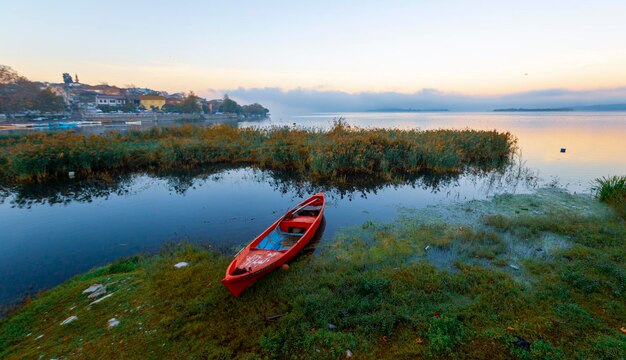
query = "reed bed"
x=330 y=155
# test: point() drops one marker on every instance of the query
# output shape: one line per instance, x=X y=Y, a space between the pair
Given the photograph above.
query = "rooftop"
x=152 y=97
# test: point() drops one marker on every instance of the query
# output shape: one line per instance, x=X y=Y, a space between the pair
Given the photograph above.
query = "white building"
x=111 y=100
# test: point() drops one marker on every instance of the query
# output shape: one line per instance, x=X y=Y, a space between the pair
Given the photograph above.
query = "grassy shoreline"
x=331 y=155
x=518 y=276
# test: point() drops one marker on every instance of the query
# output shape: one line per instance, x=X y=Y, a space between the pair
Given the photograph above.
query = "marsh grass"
x=332 y=155
x=371 y=290
x=612 y=190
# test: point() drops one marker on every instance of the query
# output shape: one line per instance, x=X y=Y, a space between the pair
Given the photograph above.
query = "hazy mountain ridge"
x=604 y=107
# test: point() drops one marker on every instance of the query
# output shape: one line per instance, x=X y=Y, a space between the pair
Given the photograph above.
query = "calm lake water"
x=51 y=233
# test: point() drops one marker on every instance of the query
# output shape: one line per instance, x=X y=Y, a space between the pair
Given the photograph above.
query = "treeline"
x=190 y=104
x=331 y=156
x=193 y=104
x=18 y=95
x=230 y=106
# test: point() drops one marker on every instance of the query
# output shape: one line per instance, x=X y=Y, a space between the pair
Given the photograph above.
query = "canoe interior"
x=280 y=238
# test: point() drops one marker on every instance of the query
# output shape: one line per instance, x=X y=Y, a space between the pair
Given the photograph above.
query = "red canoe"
x=276 y=245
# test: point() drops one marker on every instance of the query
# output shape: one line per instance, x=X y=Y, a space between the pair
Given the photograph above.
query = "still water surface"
x=50 y=233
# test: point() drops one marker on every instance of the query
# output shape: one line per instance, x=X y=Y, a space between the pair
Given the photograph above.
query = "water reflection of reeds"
x=508 y=178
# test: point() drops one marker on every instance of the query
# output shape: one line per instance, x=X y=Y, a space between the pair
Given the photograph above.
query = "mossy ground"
x=537 y=276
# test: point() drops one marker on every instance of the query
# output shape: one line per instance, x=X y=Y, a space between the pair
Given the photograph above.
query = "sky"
x=465 y=54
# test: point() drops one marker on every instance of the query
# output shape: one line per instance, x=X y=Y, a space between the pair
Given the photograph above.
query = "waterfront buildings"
x=152 y=101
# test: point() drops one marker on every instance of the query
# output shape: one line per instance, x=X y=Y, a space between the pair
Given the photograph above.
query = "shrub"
x=444 y=334
x=612 y=190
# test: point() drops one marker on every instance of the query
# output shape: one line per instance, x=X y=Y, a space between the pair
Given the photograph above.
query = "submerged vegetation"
x=319 y=155
x=521 y=276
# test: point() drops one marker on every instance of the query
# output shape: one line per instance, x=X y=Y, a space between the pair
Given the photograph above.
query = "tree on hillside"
x=190 y=104
x=18 y=94
x=129 y=107
x=47 y=101
x=230 y=106
x=170 y=108
x=67 y=78
x=8 y=75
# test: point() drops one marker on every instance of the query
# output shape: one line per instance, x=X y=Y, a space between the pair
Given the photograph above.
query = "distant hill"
x=535 y=109
x=607 y=107
x=406 y=110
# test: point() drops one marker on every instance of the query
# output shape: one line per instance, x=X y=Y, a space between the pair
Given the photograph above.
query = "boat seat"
x=311 y=208
x=278 y=240
x=298 y=222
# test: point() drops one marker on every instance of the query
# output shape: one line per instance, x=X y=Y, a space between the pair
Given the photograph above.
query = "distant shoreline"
x=606 y=107
x=532 y=110
x=407 y=110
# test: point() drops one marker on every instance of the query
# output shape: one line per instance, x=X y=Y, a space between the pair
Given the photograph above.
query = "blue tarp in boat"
x=278 y=240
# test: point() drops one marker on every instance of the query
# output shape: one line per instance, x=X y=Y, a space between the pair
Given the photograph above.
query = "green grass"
x=612 y=190
x=332 y=155
x=377 y=290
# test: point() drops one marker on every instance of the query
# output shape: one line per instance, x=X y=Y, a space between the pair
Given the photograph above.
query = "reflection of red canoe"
x=276 y=245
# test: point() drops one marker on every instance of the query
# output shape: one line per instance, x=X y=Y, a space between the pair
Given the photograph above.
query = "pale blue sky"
x=466 y=47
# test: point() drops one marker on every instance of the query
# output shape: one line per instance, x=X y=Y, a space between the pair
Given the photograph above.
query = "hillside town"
x=22 y=98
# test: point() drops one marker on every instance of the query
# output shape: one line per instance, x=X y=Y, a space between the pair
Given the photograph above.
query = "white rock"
x=181 y=265
x=349 y=354
x=102 y=298
x=69 y=320
x=100 y=291
x=113 y=322
x=92 y=288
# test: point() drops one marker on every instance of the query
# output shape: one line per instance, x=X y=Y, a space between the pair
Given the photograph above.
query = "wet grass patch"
x=372 y=291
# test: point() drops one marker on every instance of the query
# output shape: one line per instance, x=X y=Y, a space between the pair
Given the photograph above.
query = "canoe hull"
x=238 y=285
x=270 y=260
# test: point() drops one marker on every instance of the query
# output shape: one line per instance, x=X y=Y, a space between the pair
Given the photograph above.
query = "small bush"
x=444 y=334
x=611 y=189
x=577 y=318
x=546 y=351
x=607 y=347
